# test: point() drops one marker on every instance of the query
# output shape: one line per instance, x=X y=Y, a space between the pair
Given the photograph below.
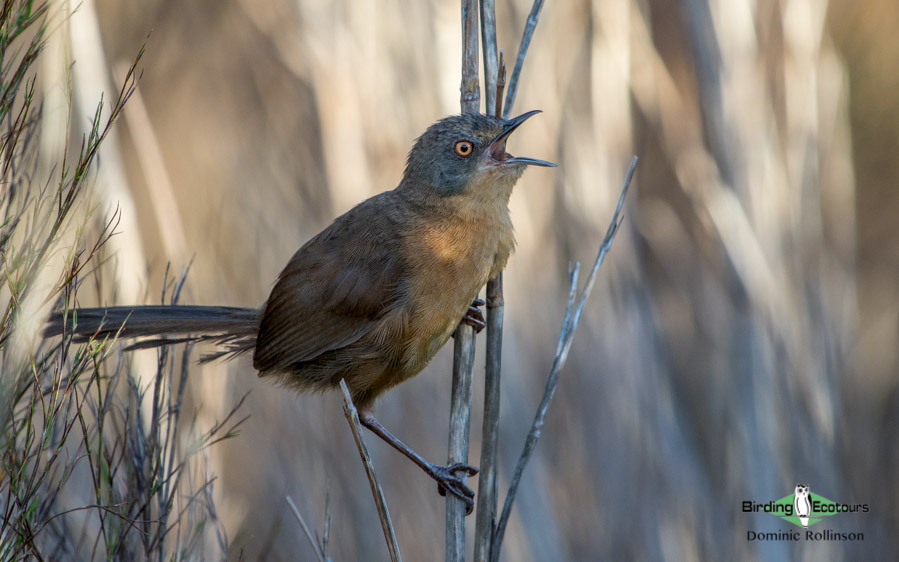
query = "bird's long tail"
x=233 y=329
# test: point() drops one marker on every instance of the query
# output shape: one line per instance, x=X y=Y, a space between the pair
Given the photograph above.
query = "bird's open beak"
x=498 y=147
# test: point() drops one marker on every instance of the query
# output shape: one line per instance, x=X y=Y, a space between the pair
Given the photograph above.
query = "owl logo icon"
x=802 y=503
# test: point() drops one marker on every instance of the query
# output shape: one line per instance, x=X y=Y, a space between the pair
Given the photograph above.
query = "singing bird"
x=375 y=295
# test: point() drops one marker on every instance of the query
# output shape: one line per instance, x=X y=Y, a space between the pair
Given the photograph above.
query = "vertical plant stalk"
x=162 y=193
x=488 y=40
x=485 y=521
x=463 y=345
x=90 y=79
x=471 y=94
x=566 y=335
x=460 y=421
x=485 y=524
x=352 y=418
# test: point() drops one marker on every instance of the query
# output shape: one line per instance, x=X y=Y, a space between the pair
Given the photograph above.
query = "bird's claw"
x=474 y=317
x=447 y=480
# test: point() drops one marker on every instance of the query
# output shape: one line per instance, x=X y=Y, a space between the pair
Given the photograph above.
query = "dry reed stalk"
x=352 y=418
x=464 y=339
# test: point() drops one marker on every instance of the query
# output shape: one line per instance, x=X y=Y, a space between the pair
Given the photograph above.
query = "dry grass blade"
x=566 y=335
x=319 y=551
x=352 y=417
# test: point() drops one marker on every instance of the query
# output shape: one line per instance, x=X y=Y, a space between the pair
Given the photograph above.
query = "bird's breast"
x=450 y=260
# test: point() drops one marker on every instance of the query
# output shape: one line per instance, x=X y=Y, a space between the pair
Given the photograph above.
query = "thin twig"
x=566 y=336
x=533 y=18
x=296 y=513
x=485 y=522
x=352 y=417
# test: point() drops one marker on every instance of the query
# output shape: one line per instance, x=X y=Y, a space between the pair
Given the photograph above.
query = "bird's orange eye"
x=464 y=148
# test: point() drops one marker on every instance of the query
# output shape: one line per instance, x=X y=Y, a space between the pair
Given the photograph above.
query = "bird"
x=803 y=507
x=372 y=297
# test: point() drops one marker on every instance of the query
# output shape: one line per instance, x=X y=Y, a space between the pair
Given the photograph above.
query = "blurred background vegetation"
x=743 y=335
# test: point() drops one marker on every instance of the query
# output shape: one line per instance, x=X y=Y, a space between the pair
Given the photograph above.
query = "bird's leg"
x=444 y=475
x=473 y=317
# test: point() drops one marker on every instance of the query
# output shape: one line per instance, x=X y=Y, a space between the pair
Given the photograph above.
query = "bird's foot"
x=474 y=317
x=448 y=481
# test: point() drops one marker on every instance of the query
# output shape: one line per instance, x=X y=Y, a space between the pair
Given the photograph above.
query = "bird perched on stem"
x=375 y=295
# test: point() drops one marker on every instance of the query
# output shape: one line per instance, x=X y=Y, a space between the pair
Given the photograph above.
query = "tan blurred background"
x=742 y=336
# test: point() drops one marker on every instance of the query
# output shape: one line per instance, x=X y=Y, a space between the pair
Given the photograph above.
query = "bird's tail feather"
x=234 y=329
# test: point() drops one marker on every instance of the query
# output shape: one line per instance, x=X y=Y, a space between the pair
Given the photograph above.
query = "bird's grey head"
x=456 y=151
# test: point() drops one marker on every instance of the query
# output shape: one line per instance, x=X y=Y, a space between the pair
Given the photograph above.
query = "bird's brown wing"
x=332 y=292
